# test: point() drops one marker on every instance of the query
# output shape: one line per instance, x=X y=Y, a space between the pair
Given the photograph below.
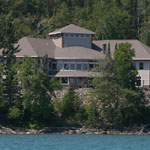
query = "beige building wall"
x=144 y=73
x=58 y=42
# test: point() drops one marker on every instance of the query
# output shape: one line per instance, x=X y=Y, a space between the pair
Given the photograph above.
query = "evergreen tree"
x=37 y=90
x=112 y=99
x=70 y=107
x=10 y=91
x=103 y=94
x=125 y=71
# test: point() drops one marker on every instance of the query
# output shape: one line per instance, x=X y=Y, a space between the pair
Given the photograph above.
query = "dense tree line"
x=116 y=97
x=26 y=94
x=26 y=91
x=110 y=19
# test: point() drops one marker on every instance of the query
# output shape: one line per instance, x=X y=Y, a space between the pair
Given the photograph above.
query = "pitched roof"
x=141 y=50
x=35 y=47
x=72 y=29
x=74 y=73
x=77 y=52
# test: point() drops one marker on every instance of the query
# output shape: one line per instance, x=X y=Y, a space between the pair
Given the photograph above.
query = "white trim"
x=76 y=58
x=140 y=59
x=27 y=56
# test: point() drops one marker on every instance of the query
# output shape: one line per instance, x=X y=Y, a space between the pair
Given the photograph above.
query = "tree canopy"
x=113 y=19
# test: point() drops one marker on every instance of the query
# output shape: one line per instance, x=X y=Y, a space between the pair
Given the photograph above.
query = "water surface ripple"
x=74 y=142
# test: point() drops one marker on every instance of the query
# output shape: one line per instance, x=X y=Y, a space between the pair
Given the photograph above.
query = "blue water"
x=74 y=142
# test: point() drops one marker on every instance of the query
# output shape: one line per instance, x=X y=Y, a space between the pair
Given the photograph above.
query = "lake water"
x=74 y=142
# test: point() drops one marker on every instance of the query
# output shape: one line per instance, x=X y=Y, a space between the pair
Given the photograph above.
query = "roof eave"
x=141 y=59
x=54 y=33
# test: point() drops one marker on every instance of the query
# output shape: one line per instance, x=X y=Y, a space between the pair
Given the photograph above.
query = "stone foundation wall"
x=82 y=93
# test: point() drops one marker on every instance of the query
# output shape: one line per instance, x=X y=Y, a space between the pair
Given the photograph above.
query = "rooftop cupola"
x=72 y=35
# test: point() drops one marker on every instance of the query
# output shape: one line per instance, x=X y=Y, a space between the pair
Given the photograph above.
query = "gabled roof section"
x=35 y=47
x=77 y=52
x=72 y=29
x=142 y=52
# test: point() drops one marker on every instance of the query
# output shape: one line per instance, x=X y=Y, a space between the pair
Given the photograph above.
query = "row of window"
x=60 y=65
x=77 y=35
x=66 y=65
x=68 y=35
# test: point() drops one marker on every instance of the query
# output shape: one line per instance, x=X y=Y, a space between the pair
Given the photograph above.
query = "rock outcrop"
x=144 y=130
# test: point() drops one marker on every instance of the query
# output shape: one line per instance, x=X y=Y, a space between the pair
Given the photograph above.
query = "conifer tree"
x=8 y=39
x=125 y=71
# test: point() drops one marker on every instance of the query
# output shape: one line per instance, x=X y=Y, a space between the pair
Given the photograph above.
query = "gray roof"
x=77 y=52
x=74 y=73
x=35 y=47
x=142 y=51
x=72 y=29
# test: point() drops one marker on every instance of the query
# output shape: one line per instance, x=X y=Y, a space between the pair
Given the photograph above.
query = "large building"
x=72 y=54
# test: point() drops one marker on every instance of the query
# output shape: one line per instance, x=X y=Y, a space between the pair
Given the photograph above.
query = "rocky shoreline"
x=72 y=130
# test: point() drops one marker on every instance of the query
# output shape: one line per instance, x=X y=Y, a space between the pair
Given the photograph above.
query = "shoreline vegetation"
x=26 y=91
x=26 y=97
x=144 y=130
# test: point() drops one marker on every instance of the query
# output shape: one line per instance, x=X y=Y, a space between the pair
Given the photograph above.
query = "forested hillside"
x=110 y=19
x=27 y=93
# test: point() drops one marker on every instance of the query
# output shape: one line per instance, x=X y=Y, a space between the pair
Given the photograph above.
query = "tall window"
x=104 y=48
x=59 y=65
x=72 y=66
x=66 y=65
x=54 y=66
x=141 y=66
x=91 y=65
x=79 y=66
x=85 y=66
x=50 y=65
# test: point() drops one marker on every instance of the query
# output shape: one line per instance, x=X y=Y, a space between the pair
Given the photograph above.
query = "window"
x=82 y=35
x=91 y=66
x=104 y=48
x=59 y=65
x=76 y=35
x=79 y=66
x=66 y=65
x=139 y=81
x=66 y=35
x=71 y=35
x=50 y=65
x=141 y=66
x=54 y=66
x=85 y=66
x=56 y=36
x=64 y=80
x=39 y=61
x=72 y=66
x=87 y=35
